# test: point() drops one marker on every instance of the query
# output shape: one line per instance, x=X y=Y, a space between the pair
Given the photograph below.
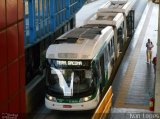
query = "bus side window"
x=105 y=55
x=120 y=32
x=109 y=49
x=95 y=70
x=112 y=45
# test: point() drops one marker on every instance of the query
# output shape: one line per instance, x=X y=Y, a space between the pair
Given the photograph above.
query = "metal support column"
x=39 y=18
x=43 y=17
x=157 y=85
x=32 y=28
x=47 y=16
x=67 y=9
x=80 y=2
x=52 y=16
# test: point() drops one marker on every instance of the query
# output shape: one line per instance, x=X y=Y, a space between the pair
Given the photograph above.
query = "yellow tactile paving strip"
x=124 y=87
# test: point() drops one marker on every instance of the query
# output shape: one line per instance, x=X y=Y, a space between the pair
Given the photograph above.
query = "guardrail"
x=103 y=109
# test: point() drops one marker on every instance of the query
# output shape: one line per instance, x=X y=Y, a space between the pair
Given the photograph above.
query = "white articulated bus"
x=80 y=62
x=77 y=68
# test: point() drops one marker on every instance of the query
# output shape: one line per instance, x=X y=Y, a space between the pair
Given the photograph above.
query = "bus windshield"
x=69 y=77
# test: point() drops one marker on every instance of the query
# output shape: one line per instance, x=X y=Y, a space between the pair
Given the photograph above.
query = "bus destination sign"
x=70 y=63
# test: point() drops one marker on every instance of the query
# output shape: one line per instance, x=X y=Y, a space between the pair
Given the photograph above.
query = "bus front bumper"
x=72 y=106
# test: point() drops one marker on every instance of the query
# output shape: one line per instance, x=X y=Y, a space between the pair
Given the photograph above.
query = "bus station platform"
x=134 y=83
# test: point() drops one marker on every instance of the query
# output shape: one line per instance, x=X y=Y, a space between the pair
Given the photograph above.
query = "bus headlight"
x=50 y=98
x=85 y=99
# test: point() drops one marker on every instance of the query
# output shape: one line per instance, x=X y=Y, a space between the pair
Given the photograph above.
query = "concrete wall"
x=12 y=60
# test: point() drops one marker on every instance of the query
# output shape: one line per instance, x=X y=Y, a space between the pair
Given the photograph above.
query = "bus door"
x=120 y=39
